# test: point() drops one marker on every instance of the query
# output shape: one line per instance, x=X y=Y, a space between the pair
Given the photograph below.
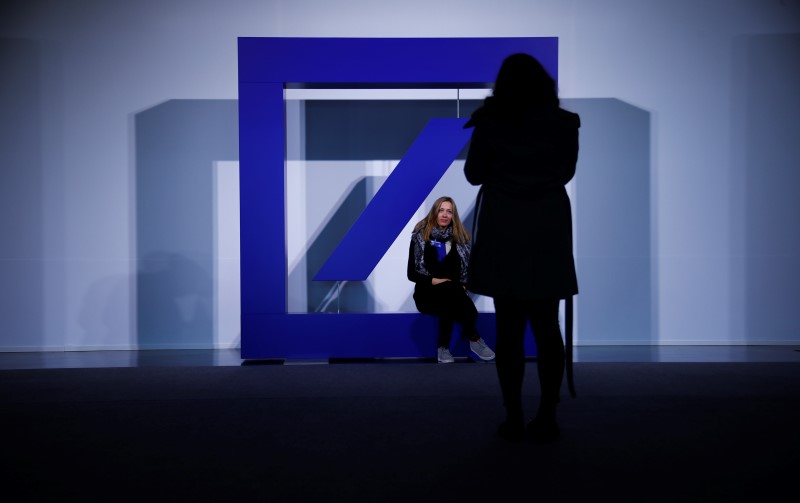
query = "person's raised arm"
x=477 y=163
x=569 y=160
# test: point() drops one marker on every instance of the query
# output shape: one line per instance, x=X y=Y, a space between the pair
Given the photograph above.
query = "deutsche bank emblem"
x=266 y=66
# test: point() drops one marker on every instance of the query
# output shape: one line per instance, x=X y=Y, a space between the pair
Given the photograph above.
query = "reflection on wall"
x=353 y=130
x=177 y=144
x=766 y=178
x=334 y=296
x=22 y=264
x=611 y=211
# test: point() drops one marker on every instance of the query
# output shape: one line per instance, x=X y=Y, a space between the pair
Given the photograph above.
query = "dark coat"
x=522 y=238
x=449 y=268
x=430 y=298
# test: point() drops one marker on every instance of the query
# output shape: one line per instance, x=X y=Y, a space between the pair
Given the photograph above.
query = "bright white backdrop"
x=719 y=79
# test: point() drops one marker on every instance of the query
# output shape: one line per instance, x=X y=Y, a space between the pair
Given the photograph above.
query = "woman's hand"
x=436 y=281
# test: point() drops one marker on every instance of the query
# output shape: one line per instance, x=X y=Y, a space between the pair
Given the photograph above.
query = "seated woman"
x=437 y=264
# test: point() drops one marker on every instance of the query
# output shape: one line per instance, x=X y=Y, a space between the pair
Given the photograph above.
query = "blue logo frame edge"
x=266 y=65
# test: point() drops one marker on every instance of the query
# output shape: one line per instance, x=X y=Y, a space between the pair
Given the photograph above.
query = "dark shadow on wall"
x=177 y=143
x=354 y=130
x=765 y=178
x=333 y=296
x=612 y=224
x=22 y=254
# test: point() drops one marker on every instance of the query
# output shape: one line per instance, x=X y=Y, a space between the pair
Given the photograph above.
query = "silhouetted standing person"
x=524 y=150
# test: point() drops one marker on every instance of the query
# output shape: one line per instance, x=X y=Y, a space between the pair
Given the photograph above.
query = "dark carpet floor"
x=402 y=431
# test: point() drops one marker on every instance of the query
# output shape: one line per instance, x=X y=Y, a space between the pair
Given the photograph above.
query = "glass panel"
x=342 y=144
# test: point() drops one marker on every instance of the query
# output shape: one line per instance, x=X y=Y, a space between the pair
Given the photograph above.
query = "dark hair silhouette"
x=522 y=79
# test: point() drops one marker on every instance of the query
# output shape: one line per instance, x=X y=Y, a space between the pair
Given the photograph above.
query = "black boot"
x=544 y=427
x=512 y=429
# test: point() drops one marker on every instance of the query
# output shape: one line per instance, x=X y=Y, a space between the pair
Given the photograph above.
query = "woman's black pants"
x=450 y=303
x=512 y=317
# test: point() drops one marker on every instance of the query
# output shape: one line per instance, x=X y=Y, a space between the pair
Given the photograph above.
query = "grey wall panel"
x=22 y=254
x=612 y=223
x=765 y=186
x=177 y=143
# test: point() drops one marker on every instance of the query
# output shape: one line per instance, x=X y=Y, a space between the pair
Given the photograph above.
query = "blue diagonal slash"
x=418 y=172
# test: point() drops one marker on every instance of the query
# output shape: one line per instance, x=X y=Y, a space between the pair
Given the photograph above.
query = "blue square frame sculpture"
x=266 y=65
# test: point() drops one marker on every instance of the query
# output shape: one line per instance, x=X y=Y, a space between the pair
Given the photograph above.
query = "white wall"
x=719 y=78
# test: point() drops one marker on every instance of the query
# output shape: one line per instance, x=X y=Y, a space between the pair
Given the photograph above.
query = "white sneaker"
x=481 y=349
x=444 y=356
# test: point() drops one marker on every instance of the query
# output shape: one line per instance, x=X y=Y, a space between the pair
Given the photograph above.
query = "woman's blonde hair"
x=427 y=224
